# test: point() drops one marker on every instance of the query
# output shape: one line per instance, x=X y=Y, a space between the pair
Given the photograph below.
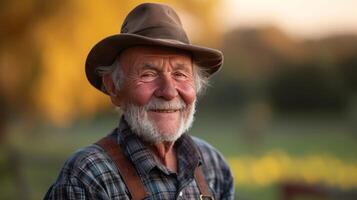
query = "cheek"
x=141 y=94
x=187 y=92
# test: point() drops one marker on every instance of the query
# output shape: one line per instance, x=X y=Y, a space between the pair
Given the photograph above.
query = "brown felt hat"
x=154 y=25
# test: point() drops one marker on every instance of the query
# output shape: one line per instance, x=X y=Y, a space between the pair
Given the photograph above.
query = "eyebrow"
x=181 y=66
x=178 y=66
x=148 y=66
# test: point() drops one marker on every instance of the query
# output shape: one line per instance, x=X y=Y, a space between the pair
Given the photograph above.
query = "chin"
x=154 y=132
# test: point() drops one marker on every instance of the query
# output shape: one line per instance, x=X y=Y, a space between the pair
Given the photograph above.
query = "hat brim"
x=105 y=52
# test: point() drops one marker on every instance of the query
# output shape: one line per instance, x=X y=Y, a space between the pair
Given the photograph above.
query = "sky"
x=300 y=18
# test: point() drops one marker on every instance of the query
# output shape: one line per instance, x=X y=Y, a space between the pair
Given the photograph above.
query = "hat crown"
x=155 y=21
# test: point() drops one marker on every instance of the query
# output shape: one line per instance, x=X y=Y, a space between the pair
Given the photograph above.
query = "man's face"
x=158 y=93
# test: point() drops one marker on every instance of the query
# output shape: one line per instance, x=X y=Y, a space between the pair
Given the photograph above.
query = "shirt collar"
x=188 y=155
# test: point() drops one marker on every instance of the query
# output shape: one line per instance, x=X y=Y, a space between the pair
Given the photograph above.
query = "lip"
x=164 y=110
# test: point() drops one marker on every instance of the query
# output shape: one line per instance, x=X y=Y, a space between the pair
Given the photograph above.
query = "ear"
x=111 y=90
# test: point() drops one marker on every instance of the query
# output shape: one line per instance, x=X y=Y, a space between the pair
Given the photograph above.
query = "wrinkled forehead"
x=133 y=54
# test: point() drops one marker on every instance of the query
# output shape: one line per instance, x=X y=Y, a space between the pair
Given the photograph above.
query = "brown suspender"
x=125 y=168
x=202 y=185
x=131 y=178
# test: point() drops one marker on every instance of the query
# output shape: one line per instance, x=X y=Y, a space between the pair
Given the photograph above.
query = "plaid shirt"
x=91 y=174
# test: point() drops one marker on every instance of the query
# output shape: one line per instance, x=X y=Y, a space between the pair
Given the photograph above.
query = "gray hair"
x=200 y=76
x=115 y=72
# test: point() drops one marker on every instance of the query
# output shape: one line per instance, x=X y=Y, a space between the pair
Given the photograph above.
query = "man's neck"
x=166 y=153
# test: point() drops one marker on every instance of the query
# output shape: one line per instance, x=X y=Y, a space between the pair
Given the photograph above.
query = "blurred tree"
x=20 y=56
x=348 y=70
x=331 y=50
x=292 y=74
x=308 y=89
x=20 y=65
x=253 y=54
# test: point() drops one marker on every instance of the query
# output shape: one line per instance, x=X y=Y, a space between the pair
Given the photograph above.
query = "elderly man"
x=152 y=72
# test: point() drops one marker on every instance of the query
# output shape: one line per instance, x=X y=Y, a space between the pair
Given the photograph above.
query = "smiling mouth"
x=164 y=111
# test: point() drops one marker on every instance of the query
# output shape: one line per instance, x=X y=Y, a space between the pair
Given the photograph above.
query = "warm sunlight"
x=301 y=18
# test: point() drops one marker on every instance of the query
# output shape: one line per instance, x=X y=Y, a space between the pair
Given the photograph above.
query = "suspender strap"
x=125 y=167
x=131 y=178
x=202 y=184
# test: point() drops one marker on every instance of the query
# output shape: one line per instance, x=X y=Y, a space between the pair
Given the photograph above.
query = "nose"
x=167 y=89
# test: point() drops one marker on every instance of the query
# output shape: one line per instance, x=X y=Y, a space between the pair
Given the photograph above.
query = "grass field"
x=261 y=155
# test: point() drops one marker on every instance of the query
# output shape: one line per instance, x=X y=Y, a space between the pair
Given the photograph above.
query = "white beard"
x=146 y=129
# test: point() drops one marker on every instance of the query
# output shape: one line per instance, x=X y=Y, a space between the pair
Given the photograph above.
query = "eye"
x=148 y=76
x=180 y=75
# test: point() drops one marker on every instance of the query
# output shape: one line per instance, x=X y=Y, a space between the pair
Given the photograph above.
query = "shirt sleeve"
x=228 y=185
x=80 y=178
x=73 y=189
x=69 y=190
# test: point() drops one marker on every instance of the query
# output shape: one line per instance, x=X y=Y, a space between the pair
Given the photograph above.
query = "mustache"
x=161 y=104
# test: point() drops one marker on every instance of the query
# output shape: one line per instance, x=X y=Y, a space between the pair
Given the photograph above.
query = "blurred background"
x=283 y=110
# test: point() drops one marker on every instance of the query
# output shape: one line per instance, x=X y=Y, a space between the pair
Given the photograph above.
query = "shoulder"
x=89 y=161
x=209 y=153
x=90 y=172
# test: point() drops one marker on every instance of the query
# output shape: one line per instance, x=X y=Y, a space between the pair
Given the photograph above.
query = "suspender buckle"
x=204 y=197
